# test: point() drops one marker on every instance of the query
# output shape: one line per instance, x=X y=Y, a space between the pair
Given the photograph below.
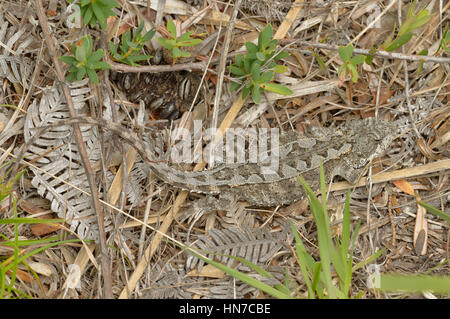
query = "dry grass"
x=143 y=236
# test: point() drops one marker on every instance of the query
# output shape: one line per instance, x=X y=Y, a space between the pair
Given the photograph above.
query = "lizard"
x=344 y=151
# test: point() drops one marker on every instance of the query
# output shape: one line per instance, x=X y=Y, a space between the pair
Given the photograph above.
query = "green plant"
x=9 y=263
x=445 y=41
x=350 y=62
x=174 y=43
x=405 y=32
x=84 y=61
x=256 y=68
x=317 y=275
x=94 y=11
x=129 y=47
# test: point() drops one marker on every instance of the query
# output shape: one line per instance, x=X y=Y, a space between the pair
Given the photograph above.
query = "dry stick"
x=202 y=65
x=81 y=147
x=229 y=118
x=383 y=54
x=223 y=60
x=399 y=174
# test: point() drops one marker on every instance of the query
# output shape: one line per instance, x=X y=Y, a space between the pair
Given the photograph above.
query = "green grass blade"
x=21 y=220
x=38 y=250
x=369 y=260
x=435 y=211
x=415 y=283
x=243 y=277
x=302 y=259
x=324 y=236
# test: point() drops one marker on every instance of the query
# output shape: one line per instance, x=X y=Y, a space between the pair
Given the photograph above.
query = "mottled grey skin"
x=344 y=151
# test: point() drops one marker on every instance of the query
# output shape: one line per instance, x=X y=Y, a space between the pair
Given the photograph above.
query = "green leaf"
x=189 y=43
x=399 y=42
x=256 y=71
x=234 y=86
x=171 y=28
x=140 y=57
x=185 y=54
x=369 y=59
x=245 y=91
x=280 y=68
x=113 y=49
x=345 y=52
x=73 y=69
x=87 y=16
x=80 y=54
x=185 y=36
x=266 y=77
x=256 y=96
x=81 y=73
x=424 y=52
x=420 y=20
x=149 y=35
x=271 y=46
x=353 y=71
x=247 y=64
x=251 y=47
x=139 y=28
x=92 y=75
x=265 y=36
x=341 y=68
x=239 y=60
x=260 y=56
x=100 y=65
x=109 y=3
x=281 y=55
x=99 y=14
x=96 y=56
x=236 y=71
x=176 y=52
x=303 y=259
x=166 y=43
x=68 y=59
x=358 y=59
x=71 y=76
x=277 y=88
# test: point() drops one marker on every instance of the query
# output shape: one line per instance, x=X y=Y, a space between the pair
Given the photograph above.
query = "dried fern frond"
x=257 y=246
x=14 y=65
x=58 y=160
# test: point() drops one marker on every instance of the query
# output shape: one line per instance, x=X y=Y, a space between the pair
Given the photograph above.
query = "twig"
x=407 y=93
x=165 y=68
x=384 y=54
x=443 y=165
x=81 y=147
x=223 y=60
